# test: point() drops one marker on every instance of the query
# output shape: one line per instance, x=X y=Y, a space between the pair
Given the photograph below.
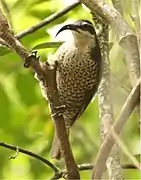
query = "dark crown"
x=85 y=25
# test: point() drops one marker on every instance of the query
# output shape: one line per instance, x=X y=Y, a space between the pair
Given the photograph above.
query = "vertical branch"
x=105 y=105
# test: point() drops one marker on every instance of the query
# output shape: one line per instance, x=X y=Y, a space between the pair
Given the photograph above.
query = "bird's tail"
x=55 y=149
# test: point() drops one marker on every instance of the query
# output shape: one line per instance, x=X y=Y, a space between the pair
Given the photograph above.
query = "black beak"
x=68 y=27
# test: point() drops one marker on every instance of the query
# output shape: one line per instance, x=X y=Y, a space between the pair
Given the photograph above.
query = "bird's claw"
x=58 y=110
x=33 y=56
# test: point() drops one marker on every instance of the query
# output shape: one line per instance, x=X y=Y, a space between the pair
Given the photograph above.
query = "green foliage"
x=24 y=115
x=4 y=50
x=47 y=45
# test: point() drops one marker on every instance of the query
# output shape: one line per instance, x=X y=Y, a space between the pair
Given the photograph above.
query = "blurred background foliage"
x=24 y=115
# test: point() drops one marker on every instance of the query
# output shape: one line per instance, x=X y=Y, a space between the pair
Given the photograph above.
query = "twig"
x=108 y=143
x=44 y=22
x=58 y=173
x=7 y=11
x=46 y=74
x=135 y=14
x=17 y=153
x=123 y=147
x=119 y=82
x=87 y=167
x=127 y=38
x=47 y=20
x=136 y=18
x=2 y=42
x=31 y=154
x=105 y=104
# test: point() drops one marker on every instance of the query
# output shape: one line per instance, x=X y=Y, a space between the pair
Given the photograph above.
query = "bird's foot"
x=58 y=110
x=31 y=58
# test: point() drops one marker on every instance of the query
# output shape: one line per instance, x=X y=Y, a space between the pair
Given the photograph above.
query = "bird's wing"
x=95 y=53
x=87 y=99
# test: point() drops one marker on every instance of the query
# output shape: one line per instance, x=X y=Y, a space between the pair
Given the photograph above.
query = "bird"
x=78 y=75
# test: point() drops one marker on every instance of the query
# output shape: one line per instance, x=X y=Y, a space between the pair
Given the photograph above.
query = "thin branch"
x=119 y=82
x=127 y=38
x=123 y=147
x=87 y=167
x=44 y=22
x=136 y=18
x=47 y=20
x=31 y=154
x=108 y=143
x=46 y=75
x=7 y=11
x=2 y=42
x=135 y=15
x=58 y=173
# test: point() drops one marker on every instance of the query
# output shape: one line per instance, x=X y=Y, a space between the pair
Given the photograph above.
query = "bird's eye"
x=84 y=24
x=87 y=27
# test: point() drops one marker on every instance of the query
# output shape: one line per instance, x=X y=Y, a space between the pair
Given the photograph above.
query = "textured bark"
x=105 y=105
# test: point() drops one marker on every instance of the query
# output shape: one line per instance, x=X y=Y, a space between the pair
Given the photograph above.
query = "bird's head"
x=82 y=31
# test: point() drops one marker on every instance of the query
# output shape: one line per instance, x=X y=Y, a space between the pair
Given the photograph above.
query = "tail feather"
x=55 y=149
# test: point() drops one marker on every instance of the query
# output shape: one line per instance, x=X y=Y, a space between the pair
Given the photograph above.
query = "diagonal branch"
x=47 y=20
x=108 y=143
x=44 y=22
x=46 y=75
x=124 y=148
x=5 y=7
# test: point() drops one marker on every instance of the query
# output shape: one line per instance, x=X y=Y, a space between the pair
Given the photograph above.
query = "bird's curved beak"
x=68 y=27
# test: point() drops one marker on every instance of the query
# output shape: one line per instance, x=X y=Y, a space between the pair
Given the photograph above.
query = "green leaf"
x=25 y=84
x=47 y=45
x=4 y=110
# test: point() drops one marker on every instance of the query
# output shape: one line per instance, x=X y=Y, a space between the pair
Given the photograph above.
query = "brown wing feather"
x=88 y=97
x=96 y=55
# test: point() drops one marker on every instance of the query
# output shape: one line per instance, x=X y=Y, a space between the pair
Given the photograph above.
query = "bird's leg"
x=59 y=110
